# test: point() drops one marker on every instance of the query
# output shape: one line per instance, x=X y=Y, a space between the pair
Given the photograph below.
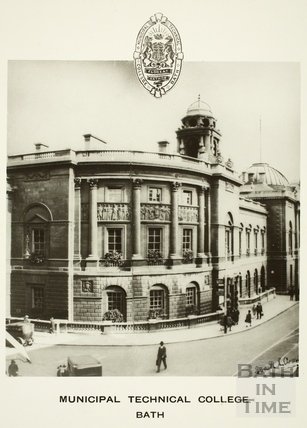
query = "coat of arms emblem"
x=158 y=55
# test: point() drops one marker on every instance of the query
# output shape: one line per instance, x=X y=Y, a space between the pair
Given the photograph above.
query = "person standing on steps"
x=161 y=357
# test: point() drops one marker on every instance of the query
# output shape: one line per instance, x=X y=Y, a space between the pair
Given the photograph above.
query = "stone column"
x=93 y=228
x=174 y=221
x=77 y=220
x=201 y=223
x=208 y=224
x=136 y=218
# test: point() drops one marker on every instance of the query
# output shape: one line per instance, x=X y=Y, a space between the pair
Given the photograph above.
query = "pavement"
x=271 y=309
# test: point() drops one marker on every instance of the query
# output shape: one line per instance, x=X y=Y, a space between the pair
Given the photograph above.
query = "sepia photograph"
x=145 y=232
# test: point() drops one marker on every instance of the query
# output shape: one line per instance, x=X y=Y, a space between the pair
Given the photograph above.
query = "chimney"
x=163 y=146
x=87 y=140
x=39 y=146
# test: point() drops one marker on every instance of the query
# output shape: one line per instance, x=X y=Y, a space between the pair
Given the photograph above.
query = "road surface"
x=208 y=357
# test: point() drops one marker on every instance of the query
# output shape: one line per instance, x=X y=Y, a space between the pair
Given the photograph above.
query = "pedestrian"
x=254 y=310
x=259 y=310
x=224 y=323
x=230 y=322
x=161 y=357
x=62 y=370
x=13 y=368
x=52 y=325
x=248 y=319
x=236 y=315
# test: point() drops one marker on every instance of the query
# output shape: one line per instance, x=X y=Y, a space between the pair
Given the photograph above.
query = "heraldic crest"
x=158 y=55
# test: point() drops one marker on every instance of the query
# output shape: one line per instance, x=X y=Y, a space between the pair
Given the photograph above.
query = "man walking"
x=161 y=357
x=259 y=310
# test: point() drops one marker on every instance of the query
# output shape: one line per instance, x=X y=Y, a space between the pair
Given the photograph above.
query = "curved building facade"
x=149 y=234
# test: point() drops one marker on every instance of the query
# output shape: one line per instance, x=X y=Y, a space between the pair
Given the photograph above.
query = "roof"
x=83 y=361
x=199 y=108
x=266 y=174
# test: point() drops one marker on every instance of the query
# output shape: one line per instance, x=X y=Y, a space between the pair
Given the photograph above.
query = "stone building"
x=152 y=234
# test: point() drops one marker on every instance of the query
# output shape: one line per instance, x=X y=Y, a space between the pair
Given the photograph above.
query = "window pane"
x=154 y=239
x=115 y=240
x=38 y=241
x=190 y=296
x=37 y=298
x=115 y=301
x=156 y=299
x=154 y=194
x=186 y=197
x=187 y=239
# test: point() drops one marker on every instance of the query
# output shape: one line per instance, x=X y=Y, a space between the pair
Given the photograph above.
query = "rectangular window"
x=186 y=197
x=228 y=243
x=38 y=241
x=115 y=301
x=156 y=299
x=115 y=240
x=154 y=239
x=154 y=194
x=262 y=243
x=248 y=239
x=190 y=296
x=37 y=298
x=256 y=242
x=114 y=194
x=187 y=240
x=240 y=242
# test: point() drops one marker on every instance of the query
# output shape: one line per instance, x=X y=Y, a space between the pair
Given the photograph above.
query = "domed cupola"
x=264 y=174
x=198 y=136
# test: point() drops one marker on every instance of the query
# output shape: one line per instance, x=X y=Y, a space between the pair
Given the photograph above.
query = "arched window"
x=117 y=299
x=192 y=299
x=262 y=278
x=240 y=286
x=256 y=231
x=248 y=283
x=158 y=301
x=248 y=240
x=240 y=239
x=290 y=238
x=229 y=238
x=256 y=290
x=263 y=237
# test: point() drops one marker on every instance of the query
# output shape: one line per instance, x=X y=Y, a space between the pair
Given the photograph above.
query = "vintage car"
x=22 y=332
x=81 y=365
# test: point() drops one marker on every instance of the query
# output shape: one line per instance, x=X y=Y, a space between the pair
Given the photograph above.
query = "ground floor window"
x=191 y=296
x=37 y=298
x=157 y=302
x=117 y=300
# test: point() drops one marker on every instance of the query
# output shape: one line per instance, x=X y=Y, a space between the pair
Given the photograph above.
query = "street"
x=208 y=357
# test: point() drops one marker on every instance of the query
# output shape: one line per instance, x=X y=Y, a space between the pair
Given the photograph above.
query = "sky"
x=256 y=104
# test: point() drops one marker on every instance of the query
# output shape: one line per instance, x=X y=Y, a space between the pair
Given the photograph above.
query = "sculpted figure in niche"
x=87 y=286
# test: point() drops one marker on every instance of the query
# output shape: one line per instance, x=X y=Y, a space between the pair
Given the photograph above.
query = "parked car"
x=83 y=365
